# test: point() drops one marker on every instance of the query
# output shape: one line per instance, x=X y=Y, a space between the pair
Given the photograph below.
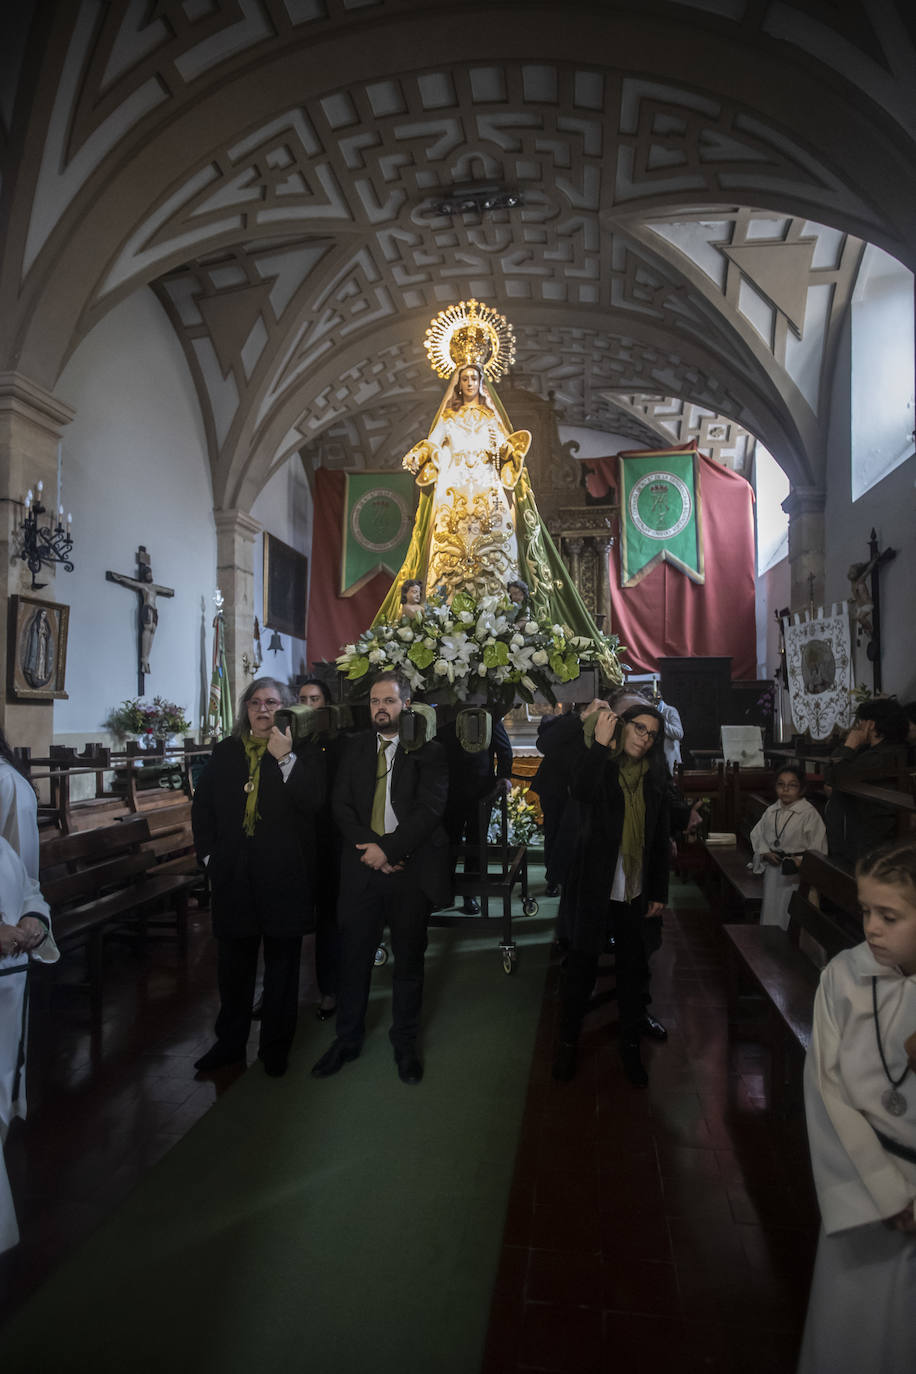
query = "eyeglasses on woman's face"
x=265 y=703
x=643 y=731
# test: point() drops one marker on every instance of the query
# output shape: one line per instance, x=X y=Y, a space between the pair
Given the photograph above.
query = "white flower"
x=540 y=657
x=440 y=668
x=516 y=642
x=527 y=682
x=349 y=649
x=531 y=627
x=429 y=642
x=405 y=633
x=466 y=617
x=376 y=656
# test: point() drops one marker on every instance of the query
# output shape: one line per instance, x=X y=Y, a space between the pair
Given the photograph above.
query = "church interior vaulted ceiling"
x=304 y=184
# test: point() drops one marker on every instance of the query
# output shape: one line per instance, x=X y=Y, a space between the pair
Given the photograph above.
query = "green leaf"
x=495 y=655
x=462 y=602
x=420 y=655
x=358 y=668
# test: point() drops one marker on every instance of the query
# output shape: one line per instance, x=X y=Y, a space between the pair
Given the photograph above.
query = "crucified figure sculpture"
x=147 y=590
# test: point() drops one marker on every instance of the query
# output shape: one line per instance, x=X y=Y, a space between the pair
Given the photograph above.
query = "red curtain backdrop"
x=335 y=620
x=667 y=615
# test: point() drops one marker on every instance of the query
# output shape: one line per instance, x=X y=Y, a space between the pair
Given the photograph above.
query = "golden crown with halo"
x=470 y=332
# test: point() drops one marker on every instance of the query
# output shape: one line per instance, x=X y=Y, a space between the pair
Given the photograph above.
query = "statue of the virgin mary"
x=477 y=526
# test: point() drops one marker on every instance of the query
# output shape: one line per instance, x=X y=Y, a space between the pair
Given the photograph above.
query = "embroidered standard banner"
x=377 y=521
x=819 y=669
x=660 y=515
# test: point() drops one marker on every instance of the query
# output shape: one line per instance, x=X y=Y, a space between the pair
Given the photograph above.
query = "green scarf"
x=630 y=773
x=254 y=751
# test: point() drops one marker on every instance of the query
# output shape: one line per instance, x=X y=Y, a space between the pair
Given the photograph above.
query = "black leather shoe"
x=633 y=1066
x=325 y=1013
x=333 y=1060
x=218 y=1057
x=652 y=1029
x=551 y=890
x=471 y=906
x=564 y=1065
x=275 y=1062
x=410 y=1069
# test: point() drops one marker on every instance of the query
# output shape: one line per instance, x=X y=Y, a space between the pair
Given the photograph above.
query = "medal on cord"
x=892 y=1100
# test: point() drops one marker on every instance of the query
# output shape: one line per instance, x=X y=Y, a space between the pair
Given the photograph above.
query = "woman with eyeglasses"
x=253 y=817
x=617 y=883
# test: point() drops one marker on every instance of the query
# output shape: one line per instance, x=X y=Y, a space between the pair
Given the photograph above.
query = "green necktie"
x=377 y=819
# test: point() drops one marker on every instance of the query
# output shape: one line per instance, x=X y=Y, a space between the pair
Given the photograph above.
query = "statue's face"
x=412 y=594
x=469 y=383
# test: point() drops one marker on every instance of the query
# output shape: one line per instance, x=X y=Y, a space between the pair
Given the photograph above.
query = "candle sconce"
x=44 y=544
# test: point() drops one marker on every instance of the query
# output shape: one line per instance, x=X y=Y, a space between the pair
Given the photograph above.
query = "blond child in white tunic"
x=782 y=835
x=860 y=1100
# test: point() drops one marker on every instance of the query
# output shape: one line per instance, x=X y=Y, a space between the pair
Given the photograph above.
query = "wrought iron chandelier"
x=44 y=544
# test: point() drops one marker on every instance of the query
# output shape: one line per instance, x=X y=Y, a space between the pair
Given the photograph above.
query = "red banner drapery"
x=667 y=615
x=335 y=620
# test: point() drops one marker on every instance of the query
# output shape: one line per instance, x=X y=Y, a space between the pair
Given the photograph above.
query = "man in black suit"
x=388 y=804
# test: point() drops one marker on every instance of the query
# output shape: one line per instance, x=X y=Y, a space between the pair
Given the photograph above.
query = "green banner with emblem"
x=377 y=521
x=660 y=514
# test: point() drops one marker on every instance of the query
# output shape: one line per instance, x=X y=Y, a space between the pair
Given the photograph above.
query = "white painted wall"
x=284 y=508
x=595 y=443
x=890 y=508
x=135 y=472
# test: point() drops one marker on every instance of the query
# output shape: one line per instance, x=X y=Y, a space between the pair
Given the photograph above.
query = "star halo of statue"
x=477 y=525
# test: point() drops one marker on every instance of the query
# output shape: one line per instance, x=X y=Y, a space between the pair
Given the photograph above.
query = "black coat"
x=262 y=884
x=419 y=788
x=596 y=810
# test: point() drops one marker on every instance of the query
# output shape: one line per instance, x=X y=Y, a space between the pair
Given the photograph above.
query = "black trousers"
x=390 y=899
x=634 y=939
x=237 y=967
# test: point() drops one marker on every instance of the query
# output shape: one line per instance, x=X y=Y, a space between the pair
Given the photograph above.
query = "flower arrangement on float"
x=522 y=819
x=467 y=648
x=147 y=720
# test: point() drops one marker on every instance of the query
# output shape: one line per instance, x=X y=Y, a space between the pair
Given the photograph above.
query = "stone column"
x=605 y=546
x=574 y=547
x=805 y=509
x=31 y=424
x=236 y=534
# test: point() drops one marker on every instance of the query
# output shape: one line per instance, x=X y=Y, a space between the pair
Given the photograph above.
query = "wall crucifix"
x=866 y=604
x=148 y=613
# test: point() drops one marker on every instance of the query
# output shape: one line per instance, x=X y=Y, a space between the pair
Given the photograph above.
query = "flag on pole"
x=660 y=514
x=219 y=710
x=377 y=522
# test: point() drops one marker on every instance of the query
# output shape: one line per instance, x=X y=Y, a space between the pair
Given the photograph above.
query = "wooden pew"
x=102 y=880
x=784 y=966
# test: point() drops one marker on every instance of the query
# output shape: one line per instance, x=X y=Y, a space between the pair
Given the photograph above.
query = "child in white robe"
x=785 y=830
x=860 y=1100
x=24 y=934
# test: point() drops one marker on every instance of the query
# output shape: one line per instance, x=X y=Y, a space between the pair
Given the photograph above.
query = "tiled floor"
x=659 y=1229
x=665 y=1229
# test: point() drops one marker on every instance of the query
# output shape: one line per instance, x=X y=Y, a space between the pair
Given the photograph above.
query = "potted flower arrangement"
x=148 y=722
x=521 y=816
x=466 y=649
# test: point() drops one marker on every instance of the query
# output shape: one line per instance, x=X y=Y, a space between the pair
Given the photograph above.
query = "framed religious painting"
x=37 y=657
x=286 y=579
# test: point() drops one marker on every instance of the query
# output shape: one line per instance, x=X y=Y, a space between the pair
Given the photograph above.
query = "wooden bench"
x=100 y=881
x=738 y=890
x=784 y=966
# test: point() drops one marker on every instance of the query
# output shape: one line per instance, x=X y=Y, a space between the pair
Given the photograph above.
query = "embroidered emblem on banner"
x=660 y=515
x=378 y=517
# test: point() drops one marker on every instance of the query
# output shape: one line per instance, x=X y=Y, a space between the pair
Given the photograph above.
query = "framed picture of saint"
x=37 y=655
x=286 y=574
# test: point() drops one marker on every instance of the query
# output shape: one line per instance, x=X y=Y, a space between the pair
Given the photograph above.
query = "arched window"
x=883 y=366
